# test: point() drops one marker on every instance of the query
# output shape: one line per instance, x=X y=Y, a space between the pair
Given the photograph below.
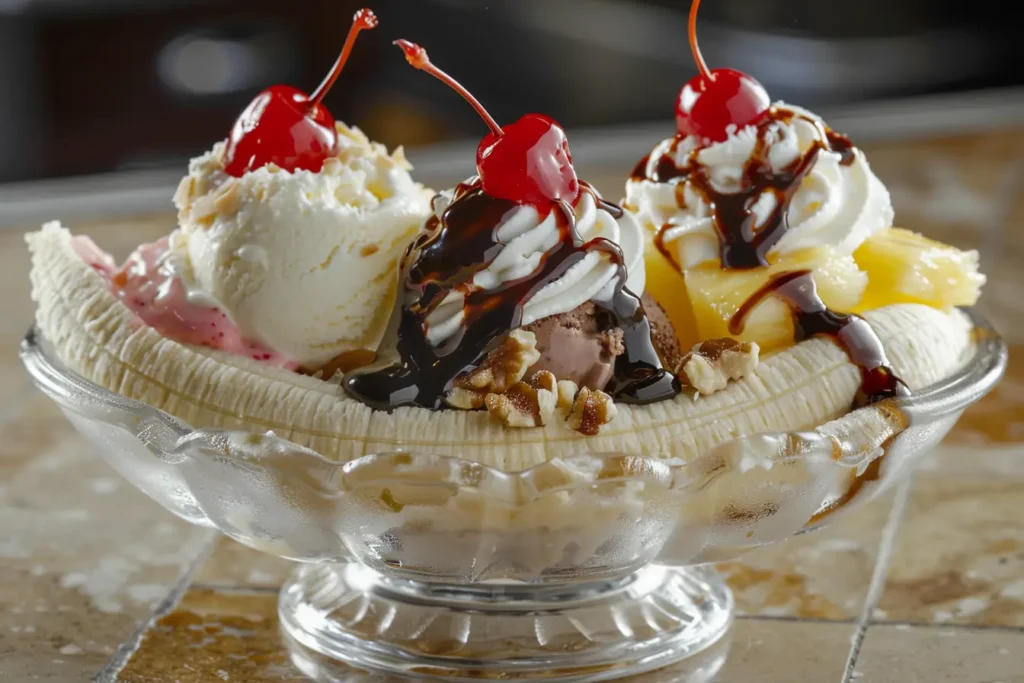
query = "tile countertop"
x=924 y=584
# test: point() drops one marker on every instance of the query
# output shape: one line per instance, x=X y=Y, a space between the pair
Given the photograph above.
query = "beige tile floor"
x=925 y=584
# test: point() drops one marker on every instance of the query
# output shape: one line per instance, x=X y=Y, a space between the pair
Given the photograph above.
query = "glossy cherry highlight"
x=717 y=101
x=527 y=162
x=285 y=126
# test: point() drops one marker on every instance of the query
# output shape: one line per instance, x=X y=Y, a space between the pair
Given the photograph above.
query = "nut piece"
x=542 y=379
x=590 y=410
x=225 y=201
x=332 y=166
x=203 y=210
x=500 y=370
x=710 y=365
x=566 y=395
x=229 y=199
x=465 y=399
x=183 y=195
x=525 y=404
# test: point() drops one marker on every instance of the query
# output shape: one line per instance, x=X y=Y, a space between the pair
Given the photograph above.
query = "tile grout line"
x=938 y=625
x=793 y=619
x=110 y=672
x=885 y=549
x=233 y=589
x=950 y=626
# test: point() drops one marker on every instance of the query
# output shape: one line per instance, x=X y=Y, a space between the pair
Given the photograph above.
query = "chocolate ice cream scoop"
x=663 y=335
x=582 y=345
x=578 y=346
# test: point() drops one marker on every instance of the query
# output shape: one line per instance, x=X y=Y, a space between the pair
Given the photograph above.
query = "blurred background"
x=97 y=86
x=102 y=102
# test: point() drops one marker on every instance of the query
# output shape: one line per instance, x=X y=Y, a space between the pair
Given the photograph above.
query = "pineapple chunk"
x=718 y=294
x=904 y=267
x=668 y=287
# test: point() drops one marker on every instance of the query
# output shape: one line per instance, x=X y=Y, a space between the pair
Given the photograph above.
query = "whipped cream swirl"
x=840 y=202
x=526 y=238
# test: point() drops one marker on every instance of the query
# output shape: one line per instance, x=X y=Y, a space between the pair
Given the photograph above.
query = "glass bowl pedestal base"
x=590 y=631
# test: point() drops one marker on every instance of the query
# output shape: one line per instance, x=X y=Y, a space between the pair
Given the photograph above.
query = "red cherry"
x=285 y=126
x=281 y=126
x=707 y=106
x=527 y=162
x=530 y=163
x=715 y=100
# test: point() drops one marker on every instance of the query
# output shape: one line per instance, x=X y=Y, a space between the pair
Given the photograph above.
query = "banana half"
x=796 y=389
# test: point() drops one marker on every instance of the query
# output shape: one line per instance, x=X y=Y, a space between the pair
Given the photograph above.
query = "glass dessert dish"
x=507 y=427
x=587 y=568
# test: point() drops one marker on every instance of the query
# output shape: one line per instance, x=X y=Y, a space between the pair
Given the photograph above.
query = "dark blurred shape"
x=97 y=85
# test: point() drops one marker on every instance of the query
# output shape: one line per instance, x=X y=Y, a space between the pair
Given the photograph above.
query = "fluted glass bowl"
x=586 y=568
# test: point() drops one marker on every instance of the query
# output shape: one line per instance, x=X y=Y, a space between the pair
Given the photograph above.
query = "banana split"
x=751 y=281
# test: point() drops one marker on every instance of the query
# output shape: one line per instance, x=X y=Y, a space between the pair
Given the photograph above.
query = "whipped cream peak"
x=811 y=182
x=526 y=237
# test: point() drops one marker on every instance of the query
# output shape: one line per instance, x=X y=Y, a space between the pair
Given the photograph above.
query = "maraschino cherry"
x=717 y=99
x=287 y=127
x=527 y=162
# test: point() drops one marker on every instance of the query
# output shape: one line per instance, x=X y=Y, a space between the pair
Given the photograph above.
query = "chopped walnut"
x=500 y=370
x=566 y=395
x=465 y=399
x=710 y=365
x=542 y=379
x=525 y=404
x=590 y=409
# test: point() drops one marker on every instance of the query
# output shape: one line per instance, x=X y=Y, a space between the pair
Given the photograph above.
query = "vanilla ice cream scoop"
x=303 y=263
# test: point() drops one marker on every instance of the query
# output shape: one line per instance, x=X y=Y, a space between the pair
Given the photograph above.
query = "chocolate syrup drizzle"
x=454 y=248
x=742 y=243
x=841 y=145
x=811 y=318
x=745 y=245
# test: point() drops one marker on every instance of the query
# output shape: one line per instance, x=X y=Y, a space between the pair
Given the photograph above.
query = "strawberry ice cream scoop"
x=150 y=286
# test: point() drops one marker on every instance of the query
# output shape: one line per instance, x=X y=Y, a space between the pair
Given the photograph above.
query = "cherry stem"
x=697 y=56
x=363 y=20
x=418 y=57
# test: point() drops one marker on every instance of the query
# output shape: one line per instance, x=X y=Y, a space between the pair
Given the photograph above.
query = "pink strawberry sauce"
x=150 y=288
